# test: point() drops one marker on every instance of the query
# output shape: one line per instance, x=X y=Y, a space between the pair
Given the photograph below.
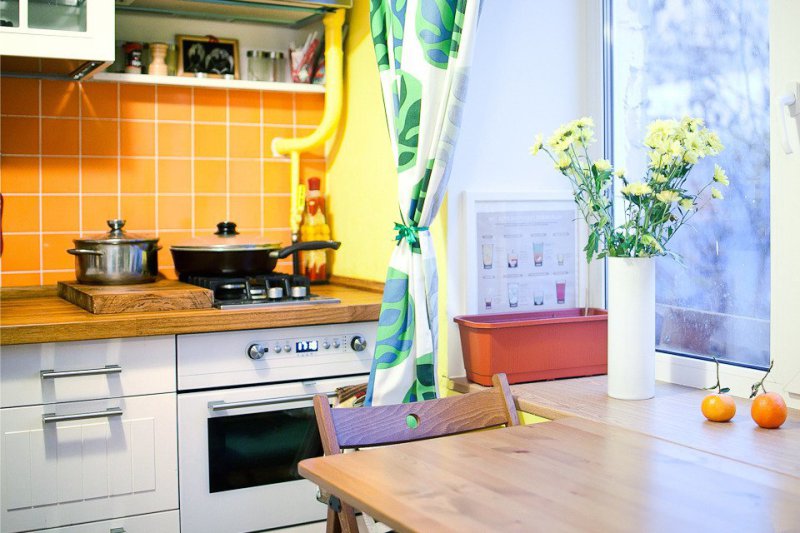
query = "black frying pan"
x=236 y=259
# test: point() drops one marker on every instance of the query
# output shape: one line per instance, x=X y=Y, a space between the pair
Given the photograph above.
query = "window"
x=709 y=59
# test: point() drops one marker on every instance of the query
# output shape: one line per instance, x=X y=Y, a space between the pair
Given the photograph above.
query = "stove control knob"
x=275 y=293
x=287 y=348
x=326 y=344
x=359 y=343
x=278 y=348
x=257 y=351
x=299 y=292
x=336 y=343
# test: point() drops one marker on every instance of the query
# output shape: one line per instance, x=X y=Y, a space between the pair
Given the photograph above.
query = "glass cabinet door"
x=9 y=13
x=63 y=15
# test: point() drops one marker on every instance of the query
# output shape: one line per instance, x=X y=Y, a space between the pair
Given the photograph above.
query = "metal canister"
x=265 y=65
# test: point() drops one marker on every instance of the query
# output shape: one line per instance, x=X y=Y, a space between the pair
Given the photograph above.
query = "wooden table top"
x=673 y=415
x=571 y=474
x=34 y=315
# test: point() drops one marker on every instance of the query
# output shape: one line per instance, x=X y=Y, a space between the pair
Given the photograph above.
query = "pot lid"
x=116 y=235
x=225 y=239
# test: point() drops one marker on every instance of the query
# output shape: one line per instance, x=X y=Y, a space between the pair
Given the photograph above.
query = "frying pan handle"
x=308 y=245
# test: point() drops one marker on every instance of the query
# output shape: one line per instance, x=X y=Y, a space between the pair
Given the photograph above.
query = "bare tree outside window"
x=708 y=59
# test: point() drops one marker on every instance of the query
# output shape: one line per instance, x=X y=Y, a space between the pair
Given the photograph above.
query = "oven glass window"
x=260 y=448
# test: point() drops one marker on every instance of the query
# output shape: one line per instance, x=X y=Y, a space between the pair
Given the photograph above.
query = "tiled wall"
x=172 y=161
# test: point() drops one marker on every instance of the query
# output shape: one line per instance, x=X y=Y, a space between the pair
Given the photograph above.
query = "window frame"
x=683 y=369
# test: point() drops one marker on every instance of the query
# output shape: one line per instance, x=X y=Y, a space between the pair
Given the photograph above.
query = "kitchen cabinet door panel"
x=143 y=455
x=44 y=489
x=16 y=470
x=146 y=366
x=67 y=456
x=90 y=469
x=95 y=461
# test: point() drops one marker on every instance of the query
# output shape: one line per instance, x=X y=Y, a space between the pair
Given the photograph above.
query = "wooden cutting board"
x=162 y=295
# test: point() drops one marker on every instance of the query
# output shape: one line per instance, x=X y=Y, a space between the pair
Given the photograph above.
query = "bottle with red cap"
x=314 y=263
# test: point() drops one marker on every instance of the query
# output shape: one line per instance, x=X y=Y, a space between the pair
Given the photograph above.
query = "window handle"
x=789 y=100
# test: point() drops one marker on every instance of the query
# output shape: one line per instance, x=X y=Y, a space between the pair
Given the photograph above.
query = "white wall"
x=537 y=64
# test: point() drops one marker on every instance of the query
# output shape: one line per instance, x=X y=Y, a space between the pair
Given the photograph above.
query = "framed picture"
x=522 y=252
x=209 y=55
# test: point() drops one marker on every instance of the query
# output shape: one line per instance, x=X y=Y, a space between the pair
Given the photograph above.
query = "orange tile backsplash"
x=173 y=161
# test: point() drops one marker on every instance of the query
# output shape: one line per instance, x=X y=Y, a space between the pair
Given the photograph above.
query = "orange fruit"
x=769 y=410
x=718 y=407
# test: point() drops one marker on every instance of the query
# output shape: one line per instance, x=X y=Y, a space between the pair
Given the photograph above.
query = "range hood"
x=288 y=13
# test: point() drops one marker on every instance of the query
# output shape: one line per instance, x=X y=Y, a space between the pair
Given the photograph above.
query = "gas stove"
x=264 y=290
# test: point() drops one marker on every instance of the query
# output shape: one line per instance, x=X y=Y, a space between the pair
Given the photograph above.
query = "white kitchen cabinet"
x=58 y=29
x=32 y=374
x=76 y=462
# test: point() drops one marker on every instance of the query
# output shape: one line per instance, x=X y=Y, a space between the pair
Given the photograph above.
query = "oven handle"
x=224 y=406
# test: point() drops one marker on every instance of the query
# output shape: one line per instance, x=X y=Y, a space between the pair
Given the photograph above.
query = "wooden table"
x=571 y=474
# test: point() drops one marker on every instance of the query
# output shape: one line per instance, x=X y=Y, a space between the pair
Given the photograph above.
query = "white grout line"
x=80 y=162
x=227 y=155
x=261 y=158
x=155 y=151
x=191 y=133
x=119 y=157
x=167 y=121
x=170 y=158
x=41 y=206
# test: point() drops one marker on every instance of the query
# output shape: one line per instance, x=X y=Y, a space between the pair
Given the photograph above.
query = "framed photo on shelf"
x=522 y=252
x=208 y=55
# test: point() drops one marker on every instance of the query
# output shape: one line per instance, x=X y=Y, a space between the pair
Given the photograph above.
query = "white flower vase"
x=631 y=327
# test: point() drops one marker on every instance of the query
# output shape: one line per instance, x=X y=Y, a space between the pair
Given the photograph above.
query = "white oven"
x=245 y=419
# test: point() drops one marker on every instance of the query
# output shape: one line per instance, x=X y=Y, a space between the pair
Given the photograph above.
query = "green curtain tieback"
x=409 y=233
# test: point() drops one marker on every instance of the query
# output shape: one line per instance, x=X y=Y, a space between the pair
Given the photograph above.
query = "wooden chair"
x=363 y=427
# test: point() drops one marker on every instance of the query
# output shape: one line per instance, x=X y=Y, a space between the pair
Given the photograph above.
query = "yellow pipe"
x=333 y=22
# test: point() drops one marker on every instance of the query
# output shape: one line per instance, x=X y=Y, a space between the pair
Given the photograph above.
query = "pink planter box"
x=534 y=346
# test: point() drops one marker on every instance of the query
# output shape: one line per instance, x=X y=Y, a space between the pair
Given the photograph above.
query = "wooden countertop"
x=34 y=315
x=673 y=415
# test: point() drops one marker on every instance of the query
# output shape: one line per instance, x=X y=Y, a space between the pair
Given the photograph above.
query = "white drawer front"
x=168 y=522
x=116 y=367
x=86 y=469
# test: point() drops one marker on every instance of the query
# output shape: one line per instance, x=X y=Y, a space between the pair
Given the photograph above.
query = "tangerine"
x=718 y=407
x=769 y=410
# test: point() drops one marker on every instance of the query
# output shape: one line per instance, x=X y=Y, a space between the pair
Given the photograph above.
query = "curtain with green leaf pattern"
x=423 y=48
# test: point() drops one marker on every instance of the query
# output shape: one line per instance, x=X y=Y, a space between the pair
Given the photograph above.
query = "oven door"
x=238 y=455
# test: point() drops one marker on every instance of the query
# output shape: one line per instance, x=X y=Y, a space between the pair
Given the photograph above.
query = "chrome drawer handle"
x=224 y=406
x=108 y=369
x=49 y=418
x=117 y=530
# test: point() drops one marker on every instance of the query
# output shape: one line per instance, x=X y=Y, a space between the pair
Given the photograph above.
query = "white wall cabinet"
x=88 y=433
x=75 y=29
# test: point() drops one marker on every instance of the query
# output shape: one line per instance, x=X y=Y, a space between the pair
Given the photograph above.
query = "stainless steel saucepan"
x=116 y=257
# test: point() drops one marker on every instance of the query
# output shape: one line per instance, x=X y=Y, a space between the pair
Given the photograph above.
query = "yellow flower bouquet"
x=654 y=208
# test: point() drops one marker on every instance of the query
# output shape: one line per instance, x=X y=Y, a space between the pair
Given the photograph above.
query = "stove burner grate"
x=257 y=291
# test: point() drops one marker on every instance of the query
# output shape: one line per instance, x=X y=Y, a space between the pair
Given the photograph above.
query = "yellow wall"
x=362 y=178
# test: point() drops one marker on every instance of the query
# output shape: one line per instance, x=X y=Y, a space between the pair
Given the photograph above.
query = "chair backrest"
x=362 y=427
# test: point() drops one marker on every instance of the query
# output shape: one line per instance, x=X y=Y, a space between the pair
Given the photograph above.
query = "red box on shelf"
x=534 y=346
